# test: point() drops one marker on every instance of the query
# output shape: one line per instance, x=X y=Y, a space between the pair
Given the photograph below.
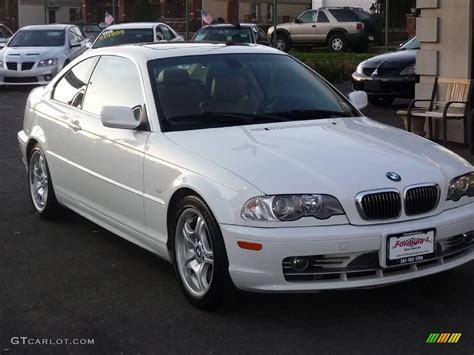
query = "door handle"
x=75 y=125
x=313 y=26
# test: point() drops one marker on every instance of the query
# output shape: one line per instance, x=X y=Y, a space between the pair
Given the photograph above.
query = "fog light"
x=48 y=77
x=300 y=263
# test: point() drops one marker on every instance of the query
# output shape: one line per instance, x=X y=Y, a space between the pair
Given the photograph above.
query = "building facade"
x=34 y=12
x=9 y=13
x=444 y=29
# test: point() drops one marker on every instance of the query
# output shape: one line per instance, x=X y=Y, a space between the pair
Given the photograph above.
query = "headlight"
x=410 y=70
x=291 y=207
x=360 y=68
x=48 y=62
x=461 y=186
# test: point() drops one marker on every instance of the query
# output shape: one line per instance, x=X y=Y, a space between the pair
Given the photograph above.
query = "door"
x=322 y=27
x=304 y=27
x=108 y=162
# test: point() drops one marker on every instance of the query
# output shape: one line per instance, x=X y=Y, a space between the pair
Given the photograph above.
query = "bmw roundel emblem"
x=393 y=176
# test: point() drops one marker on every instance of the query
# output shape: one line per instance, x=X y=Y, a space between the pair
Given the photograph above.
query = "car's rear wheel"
x=40 y=185
x=282 y=42
x=337 y=42
x=378 y=100
x=199 y=254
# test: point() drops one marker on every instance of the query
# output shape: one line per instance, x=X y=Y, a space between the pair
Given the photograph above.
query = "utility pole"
x=387 y=4
x=186 y=9
x=275 y=3
x=113 y=10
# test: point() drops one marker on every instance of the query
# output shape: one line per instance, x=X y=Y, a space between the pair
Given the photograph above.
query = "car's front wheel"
x=377 y=100
x=40 y=185
x=199 y=254
x=282 y=42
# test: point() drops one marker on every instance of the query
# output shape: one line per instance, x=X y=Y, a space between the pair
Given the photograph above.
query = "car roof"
x=150 y=51
x=232 y=25
x=47 y=27
x=134 y=25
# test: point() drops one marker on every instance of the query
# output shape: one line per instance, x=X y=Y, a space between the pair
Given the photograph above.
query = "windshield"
x=124 y=36
x=411 y=44
x=207 y=91
x=240 y=35
x=91 y=28
x=38 y=38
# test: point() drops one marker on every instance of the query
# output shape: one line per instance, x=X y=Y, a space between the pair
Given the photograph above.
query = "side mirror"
x=88 y=43
x=359 y=99
x=297 y=20
x=118 y=117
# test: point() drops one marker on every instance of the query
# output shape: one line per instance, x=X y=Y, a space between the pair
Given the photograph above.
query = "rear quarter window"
x=343 y=15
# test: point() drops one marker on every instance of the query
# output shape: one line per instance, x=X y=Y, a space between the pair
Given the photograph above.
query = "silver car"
x=35 y=54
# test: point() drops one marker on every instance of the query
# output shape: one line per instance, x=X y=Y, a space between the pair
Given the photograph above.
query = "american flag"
x=109 y=19
x=205 y=17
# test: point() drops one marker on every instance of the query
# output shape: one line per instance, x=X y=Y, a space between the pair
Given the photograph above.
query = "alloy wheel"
x=38 y=178
x=194 y=253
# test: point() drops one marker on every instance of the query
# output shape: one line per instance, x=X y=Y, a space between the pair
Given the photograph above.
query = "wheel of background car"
x=199 y=254
x=377 y=100
x=282 y=42
x=337 y=42
x=41 y=186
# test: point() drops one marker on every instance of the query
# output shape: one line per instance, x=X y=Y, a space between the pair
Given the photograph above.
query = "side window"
x=71 y=87
x=342 y=15
x=115 y=82
x=160 y=36
x=74 y=35
x=201 y=35
x=322 y=17
x=78 y=32
x=308 y=17
x=167 y=33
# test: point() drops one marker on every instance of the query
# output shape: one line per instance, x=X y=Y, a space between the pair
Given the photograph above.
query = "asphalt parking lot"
x=70 y=279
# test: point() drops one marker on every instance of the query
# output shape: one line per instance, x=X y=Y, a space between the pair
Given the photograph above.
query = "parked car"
x=389 y=76
x=244 y=168
x=36 y=53
x=239 y=33
x=337 y=27
x=92 y=30
x=5 y=34
x=139 y=32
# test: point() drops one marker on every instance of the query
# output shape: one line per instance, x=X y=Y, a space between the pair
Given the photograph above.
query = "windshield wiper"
x=227 y=117
x=312 y=114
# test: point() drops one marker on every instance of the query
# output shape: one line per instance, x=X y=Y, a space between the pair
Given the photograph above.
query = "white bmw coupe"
x=243 y=167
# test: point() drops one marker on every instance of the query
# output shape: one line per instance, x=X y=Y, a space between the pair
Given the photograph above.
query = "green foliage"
x=142 y=11
x=334 y=67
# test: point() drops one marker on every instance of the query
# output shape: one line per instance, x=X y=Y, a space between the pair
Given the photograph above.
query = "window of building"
x=255 y=12
x=269 y=12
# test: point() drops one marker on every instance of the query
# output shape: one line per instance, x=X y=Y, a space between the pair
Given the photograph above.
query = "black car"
x=389 y=76
x=92 y=30
x=239 y=33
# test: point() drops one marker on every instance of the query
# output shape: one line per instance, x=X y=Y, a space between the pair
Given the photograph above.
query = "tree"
x=232 y=11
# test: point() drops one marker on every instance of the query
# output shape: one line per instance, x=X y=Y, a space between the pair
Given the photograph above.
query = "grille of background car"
x=421 y=199
x=27 y=65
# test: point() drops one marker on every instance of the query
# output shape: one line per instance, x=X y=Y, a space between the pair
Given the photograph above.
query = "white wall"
x=365 y=4
x=30 y=15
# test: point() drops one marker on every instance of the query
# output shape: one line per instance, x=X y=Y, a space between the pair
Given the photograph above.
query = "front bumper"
x=263 y=270
x=35 y=76
x=398 y=86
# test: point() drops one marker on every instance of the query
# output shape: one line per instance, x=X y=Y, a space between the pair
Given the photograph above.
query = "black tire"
x=220 y=286
x=381 y=100
x=282 y=42
x=50 y=207
x=337 y=42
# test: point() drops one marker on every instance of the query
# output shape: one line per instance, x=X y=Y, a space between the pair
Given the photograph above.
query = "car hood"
x=340 y=157
x=400 y=59
x=32 y=53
